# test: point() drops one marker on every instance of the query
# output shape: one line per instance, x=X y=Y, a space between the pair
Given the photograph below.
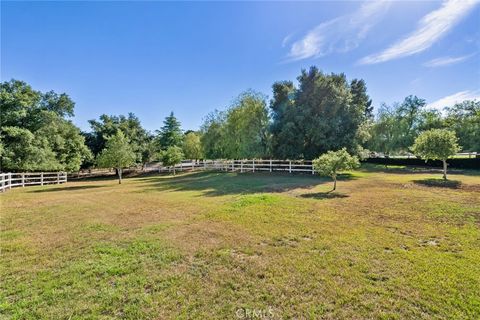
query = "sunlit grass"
x=389 y=243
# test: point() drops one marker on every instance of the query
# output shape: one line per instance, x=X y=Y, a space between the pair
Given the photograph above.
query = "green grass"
x=390 y=243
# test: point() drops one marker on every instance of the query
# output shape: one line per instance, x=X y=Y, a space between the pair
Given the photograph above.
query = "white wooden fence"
x=11 y=180
x=250 y=165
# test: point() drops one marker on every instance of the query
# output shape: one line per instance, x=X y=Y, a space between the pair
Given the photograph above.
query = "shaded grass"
x=324 y=195
x=218 y=184
x=439 y=183
x=203 y=245
x=65 y=188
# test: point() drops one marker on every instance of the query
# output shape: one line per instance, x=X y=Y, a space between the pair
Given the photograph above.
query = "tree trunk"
x=334 y=182
x=119 y=170
x=444 y=169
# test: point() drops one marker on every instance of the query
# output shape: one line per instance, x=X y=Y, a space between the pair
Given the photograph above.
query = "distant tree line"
x=396 y=127
x=320 y=113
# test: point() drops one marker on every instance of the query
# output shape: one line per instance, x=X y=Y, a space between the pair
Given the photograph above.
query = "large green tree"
x=242 y=131
x=384 y=131
x=409 y=121
x=323 y=113
x=464 y=119
x=360 y=98
x=192 y=146
x=171 y=133
x=36 y=131
x=396 y=126
x=286 y=127
x=213 y=135
x=140 y=139
x=246 y=127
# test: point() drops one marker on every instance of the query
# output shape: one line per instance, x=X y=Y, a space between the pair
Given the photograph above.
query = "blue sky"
x=151 y=58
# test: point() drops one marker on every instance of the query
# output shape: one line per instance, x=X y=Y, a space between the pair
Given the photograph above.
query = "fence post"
x=241 y=166
x=313 y=170
x=193 y=166
x=253 y=165
x=204 y=164
x=2 y=175
x=9 y=180
x=23 y=180
x=41 y=178
x=289 y=166
x=270 y=165
x=58 y=177
x=233 y=165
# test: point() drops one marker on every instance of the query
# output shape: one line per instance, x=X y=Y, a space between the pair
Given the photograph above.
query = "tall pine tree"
x=170 y=134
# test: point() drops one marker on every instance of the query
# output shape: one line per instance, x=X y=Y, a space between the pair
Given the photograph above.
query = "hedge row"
x=458 y=163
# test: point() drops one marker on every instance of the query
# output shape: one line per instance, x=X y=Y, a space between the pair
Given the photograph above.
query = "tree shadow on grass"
x=94 y=178
x=67 y=188
x=223 y=183
x=439 y=183
x=324 y=195
x=397 y=169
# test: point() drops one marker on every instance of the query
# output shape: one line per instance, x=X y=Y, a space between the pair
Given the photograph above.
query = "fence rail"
x=11 y=180
x=250 y=165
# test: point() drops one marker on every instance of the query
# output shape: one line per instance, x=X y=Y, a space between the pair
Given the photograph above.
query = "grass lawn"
x=389 y=244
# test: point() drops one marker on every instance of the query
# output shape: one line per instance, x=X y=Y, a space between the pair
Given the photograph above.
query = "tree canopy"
x=117 y=154
x=318 y=113
x=436 y=144
x=464 y=119
x=139 y=138
x=323 y=113
x=246 y=127
x=172 y=156
x=213 y=133
x=397 y=126
x=171 y=133
x=192 y=146
x=333 y=162
x=35 y=132
x=242 y=131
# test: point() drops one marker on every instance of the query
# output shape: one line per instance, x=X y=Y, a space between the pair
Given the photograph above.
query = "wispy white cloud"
x=446 y=61
x=286 y=40
x=340 y=34
x=430 y=29
x=450 y=100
